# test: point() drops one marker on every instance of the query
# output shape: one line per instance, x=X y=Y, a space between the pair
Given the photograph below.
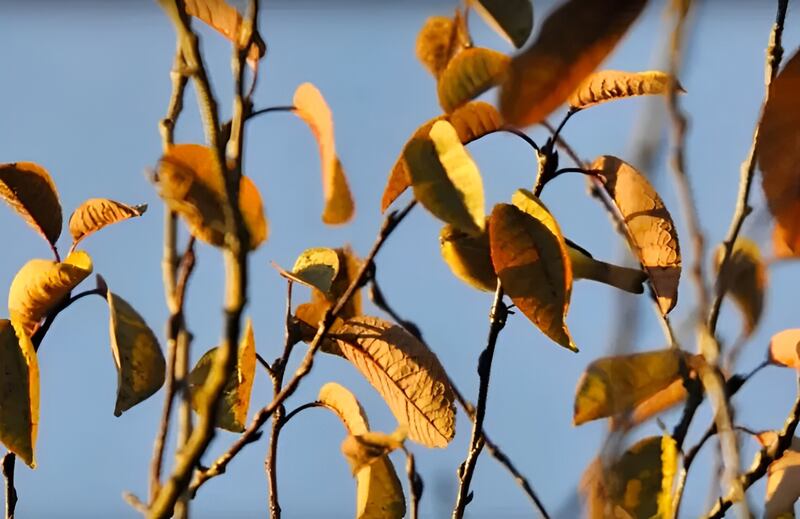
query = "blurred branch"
x=9 y=460
x=415 y=484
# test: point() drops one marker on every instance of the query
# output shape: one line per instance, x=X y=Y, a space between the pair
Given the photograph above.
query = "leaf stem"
x=271 y=109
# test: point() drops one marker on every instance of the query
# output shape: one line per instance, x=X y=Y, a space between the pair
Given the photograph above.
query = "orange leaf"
x=226 y=20
x=783 y=348
x=468 y=75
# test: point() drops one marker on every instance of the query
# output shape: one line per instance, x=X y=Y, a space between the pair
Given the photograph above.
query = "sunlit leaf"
x=137 y=355
x=437 y=43
x=445 y=179
x=649 y=226
x=362 y=450
x=316 y=268
x=472 y=121
x=610 y=85
x=469 y=74
x=41 y=284
x=573 y=41
x=530 y=258
x=341 y=401
x=311 y=107
x=783 y=348
x=192 y=185
x=19 y=392
x=469 y=257
x=778 y=154
x=224 y=18
x=783 y=483
x=661 y=401
x=97 y=213
x=406 y=373
x=745 y=279
x=584 y=266
x=512 y=19
x=29 y=190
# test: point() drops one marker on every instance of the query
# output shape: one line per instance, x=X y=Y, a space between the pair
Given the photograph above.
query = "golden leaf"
x=471 y=121
x=530 y=258
x=610 y=85
x=137 y=355
x=469 y=74
x=662 y=400
x=41 y=284
x=316 y=268
x=584 y=266
x=406 y=373
x=783 y=483
x=311 y=107
x=445 y=179
x=649 y=226
x=745 y=280
x=29 y=190
x=436 y=43
x=783 y=348
x=344 y=404
x=235 y=401
x=511 y=19
x=226 y=20
x=97 y=213
x=19 y=392
x=573 y=41
x=469 y=257
x=192 y=185
x=362 y=450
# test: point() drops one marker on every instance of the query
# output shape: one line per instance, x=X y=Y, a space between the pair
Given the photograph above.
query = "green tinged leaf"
x=316 y=268
x=19 y=392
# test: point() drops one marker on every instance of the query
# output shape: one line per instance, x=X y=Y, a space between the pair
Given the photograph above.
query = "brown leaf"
x=226 y=20
x=29 y=190
x=573 y=41
x=610 y=85
x=745 y=279
x=649 y=226
x=469 y=74
x=511 y=19
x=783 y=348
x=97 y=213
x=437 y=43
x=19 y=392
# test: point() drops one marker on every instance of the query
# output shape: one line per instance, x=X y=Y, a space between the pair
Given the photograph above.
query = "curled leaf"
x=97 y=213
x=784 y=348
x=651 y=232
x=29 y=190
x=469 y=74
x=745 y=279
x=316 y=268
x=226 y=20
x=341 y=401
x=137 y=355
x=469 y=257
x=584 y=266
x=311 y=107
x=19 y=392
x=610 y=85
x=362 y=450
x=511 y=19
x=41 y=284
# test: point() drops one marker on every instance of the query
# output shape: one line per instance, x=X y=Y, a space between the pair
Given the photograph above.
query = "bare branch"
x=9 y=460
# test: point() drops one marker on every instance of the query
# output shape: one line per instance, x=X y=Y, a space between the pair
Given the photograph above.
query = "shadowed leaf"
x=469 y=74
x=437 y=43
x=661 y=401
x=316 y=268
x=584 y=266
x=469 y=257
x=29 y=190
x=511 y=19
x=783 y=483
x=783 y=348
x=610 y=85
x=745 y=279
x=97 y=213
x=225 y=19
x=19 y=392
x=362 y=450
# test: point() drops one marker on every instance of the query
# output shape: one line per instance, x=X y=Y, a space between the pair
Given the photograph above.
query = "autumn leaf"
x=407 y=375
x=659 y=402
x=471 y=121
x=783 y=348
x=311 y=107
x=41 y=284
x=316 y=268
x=97 y=213
x=573 y=41
x=610 y=85
x=469 y=257
x=226 y=20
x=235 y=401
x=137 y=355
x=19 y=392
x=745 y=279
x=530 y=258
x=651 y=232
x=511 y=19
x=584 y=266
x=445 y=179
x=362 y=450
x=437 y=42
x=783 y=482
x=29 y=190
x=469 y=74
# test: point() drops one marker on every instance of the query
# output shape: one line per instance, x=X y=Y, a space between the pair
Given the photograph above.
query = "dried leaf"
x=436 y=43
x=362 y=450
x=41 y=284
x=511 y=19
x=530 y=258
x=226 y=20
x=649 y=225
x=584 y=266
x=471 y=121
x=783 y=484
x=469 y=257
x=137 y=355
x=19 y=392
x=235 y=401
x=784 y=348
x=745 y=279
x=610 y=85
x=30 y=191
x=469 y=74
x=316 y=268
x=445 y=179
x=573 y=41
x=778 y=153
x=311 y=107
x=406 y=373
x=341 y=401
x=97 y=213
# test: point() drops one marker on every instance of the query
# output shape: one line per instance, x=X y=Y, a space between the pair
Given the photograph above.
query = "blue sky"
x=83 y=89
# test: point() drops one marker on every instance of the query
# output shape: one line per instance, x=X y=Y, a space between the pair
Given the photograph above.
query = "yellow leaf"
x=778 y=153
x=531 y=261
x=137 y=355
x=610 y=85
x=745 y=280
x=436 y=43
x=315 y=268
x=468 y=257
x=783 y=348
x=97 y=213
x=226 y=20
x=573 y=41
x=584 y=266
x=511 y=19
x=471 y=121
x=41 y=284
x=191 y=185
x=311 y=107
x=344 y=404
x=235 y=402
x=783 y=483
x=361 y=450
x=662 y=400
x=19 y=392
x=29 y=190
x=406 y=373
x=445 y=179
x=649 y=226
x=469 y=74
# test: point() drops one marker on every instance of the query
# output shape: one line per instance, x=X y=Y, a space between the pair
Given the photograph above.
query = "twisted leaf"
x=97 y=213
x=29 y=190
x=469 y=74
x=19 y=392
x=511 y=19
x=610 y=85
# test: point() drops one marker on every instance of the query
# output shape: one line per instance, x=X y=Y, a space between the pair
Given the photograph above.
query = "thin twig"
x=271 y=109
x=9 y=460
x=415 y=484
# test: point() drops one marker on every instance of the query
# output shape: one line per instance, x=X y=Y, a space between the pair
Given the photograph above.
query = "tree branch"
x=415 y=484
x=9 y=460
